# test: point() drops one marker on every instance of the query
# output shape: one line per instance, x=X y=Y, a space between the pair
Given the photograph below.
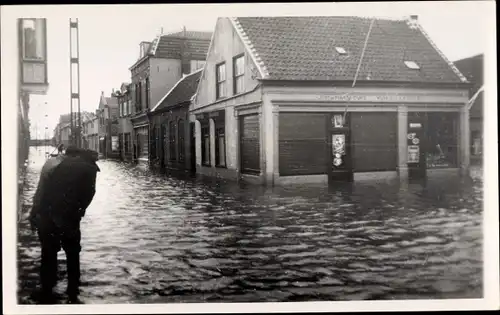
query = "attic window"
x=412 y=65
x=341 y=50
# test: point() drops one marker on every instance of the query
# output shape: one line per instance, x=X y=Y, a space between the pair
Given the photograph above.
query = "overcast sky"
x=110 y=37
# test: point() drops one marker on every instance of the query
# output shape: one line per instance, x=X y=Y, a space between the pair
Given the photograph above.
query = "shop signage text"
x=369 y=98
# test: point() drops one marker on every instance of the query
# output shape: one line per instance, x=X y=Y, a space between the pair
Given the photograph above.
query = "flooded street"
x=148 y=238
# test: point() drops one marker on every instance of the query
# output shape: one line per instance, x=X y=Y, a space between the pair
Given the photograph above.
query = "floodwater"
x=148 y=238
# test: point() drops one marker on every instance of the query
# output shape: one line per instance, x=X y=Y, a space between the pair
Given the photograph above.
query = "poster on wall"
x=338 y=147
x=413 y=154
x=114 y=143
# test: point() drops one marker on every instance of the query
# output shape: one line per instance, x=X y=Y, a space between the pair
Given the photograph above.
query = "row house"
x=62 y=131
x=276 y=103
x=125 y=129
x=162 y=63
x=172 y=135
x=90 y=131
x=472 y=68
x=107 y=118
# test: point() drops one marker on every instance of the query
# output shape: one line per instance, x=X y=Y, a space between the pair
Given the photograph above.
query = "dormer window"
x=341 y=50
x=412 y=65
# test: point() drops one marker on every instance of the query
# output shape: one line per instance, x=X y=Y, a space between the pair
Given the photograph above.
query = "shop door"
x=250 y=144
x=416 y=149
x=339 y=147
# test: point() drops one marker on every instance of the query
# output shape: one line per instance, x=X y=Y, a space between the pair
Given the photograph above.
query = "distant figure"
x=65 y=190
x=60 y=148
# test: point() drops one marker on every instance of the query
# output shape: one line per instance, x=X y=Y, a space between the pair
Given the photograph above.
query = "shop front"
x=364 y=133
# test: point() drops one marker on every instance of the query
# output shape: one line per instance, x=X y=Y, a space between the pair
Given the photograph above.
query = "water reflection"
x=152 y=239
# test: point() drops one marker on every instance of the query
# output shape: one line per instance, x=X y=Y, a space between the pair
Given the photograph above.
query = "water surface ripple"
x=148 y=238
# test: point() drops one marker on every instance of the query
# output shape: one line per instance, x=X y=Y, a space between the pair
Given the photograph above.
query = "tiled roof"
x=192 y=35
x=304 y=48
x=193 y=43
x=182 y=91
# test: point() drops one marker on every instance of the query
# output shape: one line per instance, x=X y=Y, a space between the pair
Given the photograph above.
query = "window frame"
x=240 y=76
x=220 y=83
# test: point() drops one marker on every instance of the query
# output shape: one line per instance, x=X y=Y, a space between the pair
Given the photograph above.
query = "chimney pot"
x=414 y=17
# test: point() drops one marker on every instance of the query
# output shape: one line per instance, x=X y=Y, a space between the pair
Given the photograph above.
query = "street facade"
x=152 y=238
x=226 y=104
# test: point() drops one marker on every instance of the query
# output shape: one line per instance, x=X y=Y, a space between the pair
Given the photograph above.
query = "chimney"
x=184 y=30
x=113 y=92
x=412 y=21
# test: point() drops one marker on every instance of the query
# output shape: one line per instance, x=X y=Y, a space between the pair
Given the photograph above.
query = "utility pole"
x=76 y=119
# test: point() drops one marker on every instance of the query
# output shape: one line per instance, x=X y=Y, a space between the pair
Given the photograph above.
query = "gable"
x=225 y=45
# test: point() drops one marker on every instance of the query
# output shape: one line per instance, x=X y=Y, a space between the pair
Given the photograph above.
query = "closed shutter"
x=303 y=146
x=374 y=141
x=250 y=144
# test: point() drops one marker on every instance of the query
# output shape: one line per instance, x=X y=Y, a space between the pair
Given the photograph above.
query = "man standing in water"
x=65 y=190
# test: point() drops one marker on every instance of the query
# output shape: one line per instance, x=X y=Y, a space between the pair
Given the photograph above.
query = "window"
x=220 y=70
x=33 y=39
x=120 y=107
x=220 y=146
x=441 y=139
x=171 y=137
x=412 y=65
x=138 y=97
x=205 y=143
x=147 y=92
x=238 y=74
x=180 y=132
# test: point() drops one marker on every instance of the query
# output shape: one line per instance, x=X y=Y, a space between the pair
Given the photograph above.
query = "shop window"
x=205 y=145
x=220 y=72
x=171 y=137
x=220 y=146
x=180 y=132
x=238 y=74
x=442 y=136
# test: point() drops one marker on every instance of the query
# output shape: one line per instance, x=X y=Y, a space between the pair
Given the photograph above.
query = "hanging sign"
x=413 y=154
